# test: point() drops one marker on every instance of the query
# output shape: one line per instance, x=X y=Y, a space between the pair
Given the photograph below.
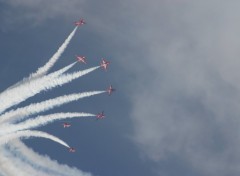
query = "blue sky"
x=175 y=65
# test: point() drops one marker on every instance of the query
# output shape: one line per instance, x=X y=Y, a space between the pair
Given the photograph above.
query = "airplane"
x=66 y=125
x=104 y=64
x=100 y=115
x=81 y=59
x=80 y=22
x=71 y=149
x=110 y=89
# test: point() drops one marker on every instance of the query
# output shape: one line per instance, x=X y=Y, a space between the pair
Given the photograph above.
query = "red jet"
x=100 y=115
x=66 y=125
x=71 y=149
x=80 y=22
x=81 y=59
x=110 y=89
x=104 y=64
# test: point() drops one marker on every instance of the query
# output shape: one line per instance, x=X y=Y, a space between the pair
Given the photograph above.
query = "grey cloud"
x=190 y=107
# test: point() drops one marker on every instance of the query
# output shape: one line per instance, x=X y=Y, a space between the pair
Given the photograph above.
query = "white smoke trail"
x=30 y=133
x=35 y=108
x=41 y=120
x=12 y=97
x=13 y=161
x=54 y=74
x=44 y=69
x=32 y=167
x=13 y=165
x=9 y=163
x=10 y=168
x=5 y=163
x=44 y=161
x=72 y=76
x=61 y=71
x=41 y=71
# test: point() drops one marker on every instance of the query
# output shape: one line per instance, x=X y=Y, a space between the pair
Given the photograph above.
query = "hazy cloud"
x=189 y=107
x=37 y=12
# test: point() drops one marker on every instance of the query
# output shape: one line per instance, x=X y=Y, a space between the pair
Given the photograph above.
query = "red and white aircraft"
x=66 y=125
x=100 y=115
x=81 y=59
x=104 y=64
x=71 y=149
x=110 y=89
x=80 y=22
